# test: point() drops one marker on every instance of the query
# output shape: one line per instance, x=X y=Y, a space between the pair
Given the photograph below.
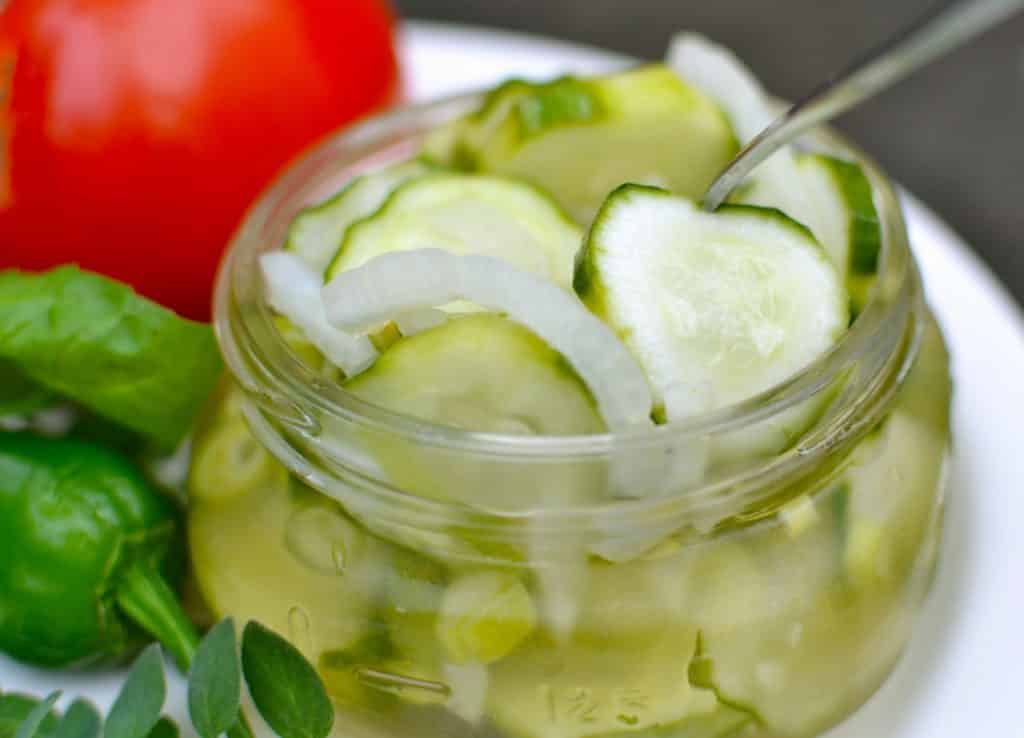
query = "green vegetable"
x=95 y=341
x=80 y=721
x=581 y=138
x=16 y=709
x=18 y=393
x=33 y=723
x=717 y=307
x=85 y=544
x=318 y=230
x=137 y=708
x=467 y=214
x=164 y=728
x=285 y=688
x=214 y=682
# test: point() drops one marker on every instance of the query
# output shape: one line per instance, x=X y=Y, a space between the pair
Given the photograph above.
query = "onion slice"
x=293 y=290
x=398 y=282
x=417 y=321
x=717 y=72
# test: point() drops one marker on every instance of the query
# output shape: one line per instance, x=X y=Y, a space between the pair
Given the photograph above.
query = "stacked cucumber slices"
x=655 y=310
x=543 y=269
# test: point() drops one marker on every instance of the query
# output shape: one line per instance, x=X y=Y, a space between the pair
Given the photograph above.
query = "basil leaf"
x=80 y=721
x=285 y=688
x=19 y=395
x=95 y=341
x=137 y=708
x=164 y=728
x=32 y=725
x=14 y=708
x=214 y=682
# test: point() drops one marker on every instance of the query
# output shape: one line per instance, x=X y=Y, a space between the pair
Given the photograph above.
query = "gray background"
x=953 y=134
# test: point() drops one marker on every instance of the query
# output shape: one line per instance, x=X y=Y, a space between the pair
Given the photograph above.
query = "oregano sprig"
x=285 y=689
x=30 y=726
x=81 y=720
x=214 y=682
x=284 y=686
x=136 y=710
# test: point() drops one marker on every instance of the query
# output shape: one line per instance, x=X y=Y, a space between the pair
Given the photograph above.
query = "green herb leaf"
x=19 y=395
x=95 y=341
x=214 y=682
x=14 y=708
x=32 y=725
x=164 y=728
x=80 y=721
x=137 y=708
x=285 y=688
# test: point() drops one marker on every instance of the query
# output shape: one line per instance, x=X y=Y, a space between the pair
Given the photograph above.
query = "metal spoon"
x=941 y=30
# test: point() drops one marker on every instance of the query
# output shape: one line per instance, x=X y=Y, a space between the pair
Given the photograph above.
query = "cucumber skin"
x=335 y=264
x=865 y=226
x=586 y=281
x=562 y=102
x=864 y=229
x=517 y=112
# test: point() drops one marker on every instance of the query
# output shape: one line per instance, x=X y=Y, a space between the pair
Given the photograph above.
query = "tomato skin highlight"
x=134 y=133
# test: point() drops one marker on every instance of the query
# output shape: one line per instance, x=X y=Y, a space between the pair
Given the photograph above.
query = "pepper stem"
x=146 y=598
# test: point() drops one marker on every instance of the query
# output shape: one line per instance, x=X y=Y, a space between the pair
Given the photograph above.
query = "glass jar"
x=769 y=593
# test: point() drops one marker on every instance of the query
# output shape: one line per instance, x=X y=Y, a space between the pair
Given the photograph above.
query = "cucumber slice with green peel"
x=846 y=222
x=457 y=144
x=317 y=231
x=830 y=196
x=719 y=73
x=580 y=138
x=732 y=302
x=856 y=241
x=485 y=373
x=394 y=283
x=467 y=214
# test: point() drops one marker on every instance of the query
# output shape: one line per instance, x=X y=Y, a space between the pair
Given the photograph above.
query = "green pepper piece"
x=87 y=551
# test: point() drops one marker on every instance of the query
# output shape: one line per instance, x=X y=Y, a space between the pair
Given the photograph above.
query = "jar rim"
x=292 y=394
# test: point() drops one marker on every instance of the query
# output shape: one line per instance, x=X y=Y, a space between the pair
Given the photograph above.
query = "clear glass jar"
x=769 y=595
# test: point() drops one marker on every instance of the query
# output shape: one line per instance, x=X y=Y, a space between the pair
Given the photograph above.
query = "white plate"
x=964 y=670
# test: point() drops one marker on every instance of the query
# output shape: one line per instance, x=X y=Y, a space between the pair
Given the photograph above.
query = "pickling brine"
x=525 y=445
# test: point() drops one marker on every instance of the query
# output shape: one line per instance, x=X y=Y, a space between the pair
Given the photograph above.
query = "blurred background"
x=953 y=134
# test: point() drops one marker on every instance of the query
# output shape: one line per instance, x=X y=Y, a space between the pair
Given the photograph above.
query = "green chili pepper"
x=88 y=552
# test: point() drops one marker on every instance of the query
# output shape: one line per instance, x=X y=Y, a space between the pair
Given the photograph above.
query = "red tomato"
x=134 y=133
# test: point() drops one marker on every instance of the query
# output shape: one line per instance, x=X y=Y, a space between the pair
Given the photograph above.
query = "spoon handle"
x=931 y=37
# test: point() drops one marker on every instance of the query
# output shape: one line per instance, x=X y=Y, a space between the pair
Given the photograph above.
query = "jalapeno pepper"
x=88 y=554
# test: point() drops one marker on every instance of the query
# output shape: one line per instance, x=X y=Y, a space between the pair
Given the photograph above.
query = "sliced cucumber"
x=581 y=138
x=845 y=220
x=887 y=528
x=458 y=143
x=732 y=302
x=317 y=231
x=467 y=214
x=720 y=74
x=484 y=373
x=830 y=196
x=397 y=282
